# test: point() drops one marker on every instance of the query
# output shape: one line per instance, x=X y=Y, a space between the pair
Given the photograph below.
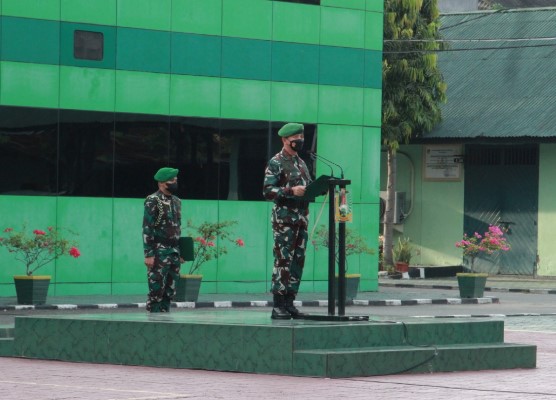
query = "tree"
x=413 y=86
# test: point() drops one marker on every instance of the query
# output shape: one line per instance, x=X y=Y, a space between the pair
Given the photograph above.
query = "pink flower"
x=74 y=252
x=240 y=242
x=210 y=244
x=39 y=232
x=203 y=241
x=50 y=228
x=8 y=229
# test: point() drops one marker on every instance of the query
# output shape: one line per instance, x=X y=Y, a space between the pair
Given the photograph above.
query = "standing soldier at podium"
x=286 y=177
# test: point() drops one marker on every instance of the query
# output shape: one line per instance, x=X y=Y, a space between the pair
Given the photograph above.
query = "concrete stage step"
x=248 y=341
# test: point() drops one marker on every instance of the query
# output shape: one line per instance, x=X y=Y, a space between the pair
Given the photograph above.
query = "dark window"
x=88 y=45
x=317 y=2
x=28 y=143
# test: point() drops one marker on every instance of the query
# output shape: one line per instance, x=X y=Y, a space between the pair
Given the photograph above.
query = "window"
x=88 y=45
x=316 y=2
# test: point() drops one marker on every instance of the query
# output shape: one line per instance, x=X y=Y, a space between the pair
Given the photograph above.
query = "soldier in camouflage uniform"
x=286 y=177
x=161 y=233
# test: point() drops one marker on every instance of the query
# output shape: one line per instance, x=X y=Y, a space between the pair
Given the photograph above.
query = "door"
x=501 y=188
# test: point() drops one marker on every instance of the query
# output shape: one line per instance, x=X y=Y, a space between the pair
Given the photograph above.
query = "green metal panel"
x=247 y=19
x=30 y=40
x=196 y=54
x=147 y=14
x=84 y=288
x=342 y=27
x=356 y=4
x=67 y=46
x=375 y=5
x=292 y=62
x=373 y=69
x=43 y=9
x=94 y=229
x=295 y=23
x=195 y=96
x=341 y=66
x=372 y=107
x=197 y=16
x=247 y=59
x=373 y=31
x=294 y=102
x=370 y=164
x=142 y=92
x=547 y=214
x=127 y=255
x=24 y=84
x=142 y=50
x=102 y=12
x=340 y=105
x=242 y=99
x=87 y=88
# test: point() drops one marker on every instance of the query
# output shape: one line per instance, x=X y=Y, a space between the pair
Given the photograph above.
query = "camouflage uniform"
x=289 y=220
x=161 y=233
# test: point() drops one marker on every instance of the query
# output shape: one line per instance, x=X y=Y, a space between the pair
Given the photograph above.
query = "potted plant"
x=403 y=252
x=472 y=284
x=355 y=244
x=36 y=250
x=206 y=248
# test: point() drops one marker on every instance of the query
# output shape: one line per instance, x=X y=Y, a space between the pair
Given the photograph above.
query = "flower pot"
x=187 y=288
x=402 y=266
x=352 y=285
x=31 y=289
x=471 y=285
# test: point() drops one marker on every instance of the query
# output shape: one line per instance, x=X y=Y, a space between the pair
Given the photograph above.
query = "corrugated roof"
x=499 y=92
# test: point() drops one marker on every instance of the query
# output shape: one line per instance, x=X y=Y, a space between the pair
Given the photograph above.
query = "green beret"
x=166 y=174
x=290 y=129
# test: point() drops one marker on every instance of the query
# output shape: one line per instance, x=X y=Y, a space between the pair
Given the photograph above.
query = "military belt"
x=292 y=203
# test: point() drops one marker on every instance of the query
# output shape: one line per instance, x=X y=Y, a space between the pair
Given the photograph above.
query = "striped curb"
x=487 y=288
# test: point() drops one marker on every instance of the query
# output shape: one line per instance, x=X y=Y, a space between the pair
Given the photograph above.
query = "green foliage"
x=403 y=250
x=355 y=243
x=205 y=236
x=39 y=248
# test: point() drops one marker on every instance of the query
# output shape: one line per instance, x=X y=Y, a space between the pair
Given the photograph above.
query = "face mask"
x=297 y=144
x=172 y=187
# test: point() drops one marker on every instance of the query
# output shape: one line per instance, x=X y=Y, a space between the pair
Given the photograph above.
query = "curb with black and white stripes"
x=487 y=288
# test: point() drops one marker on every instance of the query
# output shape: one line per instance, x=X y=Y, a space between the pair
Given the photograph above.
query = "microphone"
x=327 y=161
x=315 y=157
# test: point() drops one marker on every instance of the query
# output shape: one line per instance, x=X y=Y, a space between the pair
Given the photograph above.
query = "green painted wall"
x=547 y=211
x=312 y=64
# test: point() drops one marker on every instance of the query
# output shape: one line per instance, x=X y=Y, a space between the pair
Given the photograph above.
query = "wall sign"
x=442 y=162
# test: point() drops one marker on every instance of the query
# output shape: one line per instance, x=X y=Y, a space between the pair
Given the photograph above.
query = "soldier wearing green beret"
x=161 y=233
x=286 y=177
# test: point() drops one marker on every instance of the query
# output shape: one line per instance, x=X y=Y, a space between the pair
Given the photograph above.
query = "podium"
x=317 y=188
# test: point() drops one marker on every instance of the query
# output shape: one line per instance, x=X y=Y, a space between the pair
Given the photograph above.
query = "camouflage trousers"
x=290 y=243
x=162 y=279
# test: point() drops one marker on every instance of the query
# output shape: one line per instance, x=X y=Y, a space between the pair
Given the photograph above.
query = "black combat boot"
x=295 y=313
x=279 y=311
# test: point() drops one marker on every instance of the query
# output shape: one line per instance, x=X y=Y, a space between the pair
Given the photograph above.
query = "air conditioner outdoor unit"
x=399 y=207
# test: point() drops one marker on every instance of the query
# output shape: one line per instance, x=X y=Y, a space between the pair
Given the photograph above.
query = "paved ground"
x=526 y=306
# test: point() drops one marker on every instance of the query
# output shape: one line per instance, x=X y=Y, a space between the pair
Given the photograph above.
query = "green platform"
x=247 y=341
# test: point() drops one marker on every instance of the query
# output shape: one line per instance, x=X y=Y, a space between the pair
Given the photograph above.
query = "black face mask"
x=172 y=187
x=297 y=144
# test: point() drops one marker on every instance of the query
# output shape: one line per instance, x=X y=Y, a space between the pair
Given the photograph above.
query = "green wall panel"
x=340 y=105
x=295 y=23
x=195 y=96
x=127 y=249
x=143 y=50
x=197 y=16
x=142 y=92
x=34 y=212
x=292 y=62
x=375 y=5
x=42 y=9
x=294 y=102
x=248 y=59
x=85 y=288
x=372 y=107
x=91 y=219
x=369 y=229
x=356 y=4
x=373 y=69
x=147 y=14
x=33 y=85
x=196 y=54
x=370 y=165
x=244 y=263
x=242 y=99
x=87 y=88
x=341 y=66
x=247 y=19
x=373 y=31
x=102 y=12
x=342 y=27
x=30 y=40
x=67 y=46
x=547 y=210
